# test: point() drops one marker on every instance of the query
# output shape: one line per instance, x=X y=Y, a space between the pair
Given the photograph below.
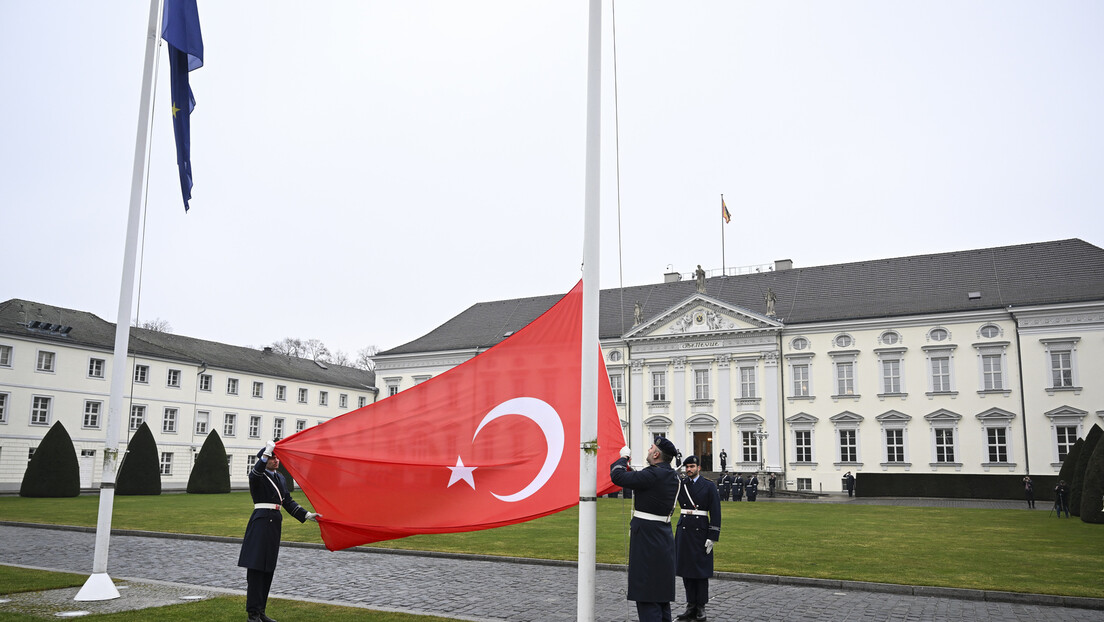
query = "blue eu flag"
x=180 y=29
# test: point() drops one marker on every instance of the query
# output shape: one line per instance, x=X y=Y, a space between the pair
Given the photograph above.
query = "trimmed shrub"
x=288 y=479
x=1078 y=481
x=1070 y=463
x=140 y=471
x=210 y=473
x=53 y=470
x=1092 y=491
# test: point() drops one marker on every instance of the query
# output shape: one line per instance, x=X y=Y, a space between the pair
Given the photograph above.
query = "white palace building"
x=982 y=361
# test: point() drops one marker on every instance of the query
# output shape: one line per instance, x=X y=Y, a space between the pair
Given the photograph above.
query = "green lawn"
x=1009 y=550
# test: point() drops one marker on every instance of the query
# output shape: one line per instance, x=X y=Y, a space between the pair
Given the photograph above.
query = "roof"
x=1063 y=271
x=19 y=317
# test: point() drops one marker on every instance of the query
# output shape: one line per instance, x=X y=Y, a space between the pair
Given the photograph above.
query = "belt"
x=695 y=512
x=655 y=517
x=266 y=506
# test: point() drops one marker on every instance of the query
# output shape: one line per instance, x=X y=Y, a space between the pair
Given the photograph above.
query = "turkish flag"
x=491 y=442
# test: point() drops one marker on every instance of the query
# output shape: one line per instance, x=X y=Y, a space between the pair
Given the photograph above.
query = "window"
x=747 y=383
x=891 y=376
x=1061 y=369
x=844 y=341
x=278 y=428
x=617 y=385
x=944 y=445
x=1067 y=435
x=166 y=463
x=137 y=417
x=281 y=393
x=255 y=426
x=701 y=384
x=938 y=334
x=173 y=379
x=4 y=407
x=302 y=396
x=342 y=400
x=229 y=424
x=362 y=402
x=848 y=446
x=895 y=445
x=300 y=425
x=45 y=361
x=804 y=483
x=890 y=338
x=750 y=446
x=997 y=444
x=803 y=446
x=258 y=389
x=232 y=386
x=991 y=372
x=940 y=374
x=168 y=421
x=141 y=374
x=989 y=331
x=92 y=412
x=202 y=421
x=845 y=378
x=392 y=389
x=323 y=398
x=95 y=368
x=659 y=386
x=800 y=373
x=40 y=410
x=799 y=343
x=205 y=382
x=5 y=356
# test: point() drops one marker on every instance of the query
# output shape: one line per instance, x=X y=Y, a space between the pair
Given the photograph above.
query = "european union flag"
x=180 y=29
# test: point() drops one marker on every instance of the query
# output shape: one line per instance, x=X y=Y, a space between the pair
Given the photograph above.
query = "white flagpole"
x=99 y=585
x=588 y=459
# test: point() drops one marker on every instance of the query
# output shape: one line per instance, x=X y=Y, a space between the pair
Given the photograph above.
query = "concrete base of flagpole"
x=99 y=586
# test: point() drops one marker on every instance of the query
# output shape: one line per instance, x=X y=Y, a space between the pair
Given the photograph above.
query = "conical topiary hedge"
x=210 y=473
x=1078 y=481
x=1092 y=490
x=140 y=471
x=53 y=470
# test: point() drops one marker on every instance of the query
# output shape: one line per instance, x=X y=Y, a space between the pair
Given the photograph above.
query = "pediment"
x=943 y=415
x=701 y=314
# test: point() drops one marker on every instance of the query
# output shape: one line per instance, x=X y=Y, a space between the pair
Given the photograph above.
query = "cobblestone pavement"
x=486 y=590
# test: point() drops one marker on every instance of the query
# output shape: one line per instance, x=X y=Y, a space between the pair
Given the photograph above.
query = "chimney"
x=783 y=264
x=671 y=277
x=268 y=350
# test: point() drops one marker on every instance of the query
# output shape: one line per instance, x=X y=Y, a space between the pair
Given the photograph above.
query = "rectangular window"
x=944 y=445
x=803 y=446
x=991 y=372
x=895 y=445
x=1061 y=369
x=659 y=386
x=173 y=379
x=278 y=428
x=804 y=483
x=617 y=387
x=202 y=421
x=750 y=447
x=141 y=374
x=342 y=400
x=323 y=398
x=849 y=449
x=997 y=443
x=92 y=412
x=801 y=380
x=255 y=426
x=229 y=424
x=701 y=384
x=40 y=410
x=4 y=407
x=1066 y=437
x=137 y=417
x=168 y=421
x=302 y=396
x=281 y=393
x=362 y=402
x=392 y=389
x=891 y=376
x=232 y=386
x=845 y=378
x=258 y=389
x=300 y=425
x=205 y=382
x=747 y=382
x=941 y=374
x=45 y=361
x=5 y=356
x=166 y=463
x=96 y=368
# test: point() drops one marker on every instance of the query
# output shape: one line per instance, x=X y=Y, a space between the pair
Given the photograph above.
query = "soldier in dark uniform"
x=738 y=488
x=261 y=545
x=724 y=486
x=651 y=544
x=699 y=527
x=753 y=487
x=724 y=460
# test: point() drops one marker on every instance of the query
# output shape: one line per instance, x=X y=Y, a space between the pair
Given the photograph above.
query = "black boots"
x=699 y=615
x=690 y=613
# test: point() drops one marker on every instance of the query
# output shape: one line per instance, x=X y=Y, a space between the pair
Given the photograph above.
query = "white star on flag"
x=461 y=472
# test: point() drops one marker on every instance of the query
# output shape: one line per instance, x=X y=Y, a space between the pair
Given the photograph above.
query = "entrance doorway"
x=703 y=449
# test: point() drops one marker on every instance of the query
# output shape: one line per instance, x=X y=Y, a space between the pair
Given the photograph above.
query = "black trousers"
x=258 y=582
x=653 y=612
x=697 y=591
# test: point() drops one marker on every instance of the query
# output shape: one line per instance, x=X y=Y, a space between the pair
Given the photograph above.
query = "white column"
x=637 y=398
x=772 y=423
x=678 y=405
x=724 y=411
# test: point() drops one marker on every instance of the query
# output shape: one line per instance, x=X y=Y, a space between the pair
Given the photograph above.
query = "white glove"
x=625 y=452
x=708 y=547
x=269 y=446
x=312 y=516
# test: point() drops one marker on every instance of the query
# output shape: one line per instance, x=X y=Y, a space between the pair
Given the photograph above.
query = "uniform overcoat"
x=261 y=545
x=691 y=560
x=651 y=543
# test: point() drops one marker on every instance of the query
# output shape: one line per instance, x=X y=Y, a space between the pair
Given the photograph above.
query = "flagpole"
x=588 y=415
x=99 y=585
x=723 y=267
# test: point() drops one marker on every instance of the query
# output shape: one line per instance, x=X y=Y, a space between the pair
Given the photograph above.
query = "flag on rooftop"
x=724 y=211
x=180 y=29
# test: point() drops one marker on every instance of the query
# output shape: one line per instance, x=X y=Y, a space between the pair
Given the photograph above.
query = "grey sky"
x=366 y=170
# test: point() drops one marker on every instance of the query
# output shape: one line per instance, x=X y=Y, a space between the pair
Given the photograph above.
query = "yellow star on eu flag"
x=174 y=109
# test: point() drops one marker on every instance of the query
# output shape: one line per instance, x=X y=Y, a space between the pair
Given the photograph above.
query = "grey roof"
x=1063 y=271
x=17 y=317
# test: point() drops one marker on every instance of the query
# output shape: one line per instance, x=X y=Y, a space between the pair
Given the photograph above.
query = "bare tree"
x=340 y=358
x=157 y=325
x=289 y=346
x=364 y=358
x=315 y=350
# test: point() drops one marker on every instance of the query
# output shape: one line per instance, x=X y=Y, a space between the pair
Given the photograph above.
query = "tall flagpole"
x=99 y=585
x=588 y=415
x=723 y=266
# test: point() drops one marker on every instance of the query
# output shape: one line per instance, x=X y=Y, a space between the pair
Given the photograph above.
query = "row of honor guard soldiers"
x=736 y=487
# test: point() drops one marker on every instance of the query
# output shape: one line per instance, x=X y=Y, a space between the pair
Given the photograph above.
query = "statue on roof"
x=771 y=299
x=699 y=276
x=638 y=314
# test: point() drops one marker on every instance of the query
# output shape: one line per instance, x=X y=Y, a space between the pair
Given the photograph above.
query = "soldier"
x=724 y=460
x=738 y=488
x=753 y=487
x=725 y=486
x=699 y=527
x=261 y=545
x=651 y=544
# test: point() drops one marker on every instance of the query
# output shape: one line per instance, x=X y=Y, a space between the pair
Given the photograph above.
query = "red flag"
x=491 y=442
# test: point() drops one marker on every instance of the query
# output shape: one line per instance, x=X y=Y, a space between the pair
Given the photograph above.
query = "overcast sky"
x=366 y=170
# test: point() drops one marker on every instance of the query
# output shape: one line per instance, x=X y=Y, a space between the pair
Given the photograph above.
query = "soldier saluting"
x=699 y=527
